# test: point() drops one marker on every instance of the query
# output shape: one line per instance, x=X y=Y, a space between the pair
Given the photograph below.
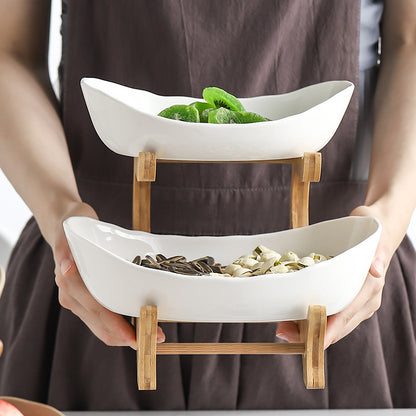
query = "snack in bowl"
x=220 y=108
x=262 y=261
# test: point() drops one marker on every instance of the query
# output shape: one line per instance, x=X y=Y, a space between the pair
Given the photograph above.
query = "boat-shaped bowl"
x=302 y=121
x=104 y=252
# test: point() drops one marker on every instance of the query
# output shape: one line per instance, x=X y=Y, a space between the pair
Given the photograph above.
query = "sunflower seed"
x=137 y=260
x=160 y=258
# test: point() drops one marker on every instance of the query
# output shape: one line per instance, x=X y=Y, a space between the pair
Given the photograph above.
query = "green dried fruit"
x=220 y=108
x=219 y=98
x=203 y=110
x=205 y=114
x=247 y=117
x=181 y=112
x=224 y=116
x=220 y=116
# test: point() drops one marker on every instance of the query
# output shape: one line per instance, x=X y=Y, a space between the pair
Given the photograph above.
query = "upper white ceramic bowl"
x=302 y=121
x=103 y=254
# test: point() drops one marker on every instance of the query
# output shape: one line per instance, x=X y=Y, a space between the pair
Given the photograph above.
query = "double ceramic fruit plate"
x=302 y=122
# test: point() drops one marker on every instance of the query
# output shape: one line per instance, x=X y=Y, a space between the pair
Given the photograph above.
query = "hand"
x=368 y=299
x=108 y=326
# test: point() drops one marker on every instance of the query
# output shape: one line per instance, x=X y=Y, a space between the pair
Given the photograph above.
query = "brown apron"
x=177 y=48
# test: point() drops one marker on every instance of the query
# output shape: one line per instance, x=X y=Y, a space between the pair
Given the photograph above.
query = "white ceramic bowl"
x=302 y=121
x=103 y=254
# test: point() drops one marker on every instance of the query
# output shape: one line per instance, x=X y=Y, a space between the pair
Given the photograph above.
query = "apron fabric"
x=178 y=48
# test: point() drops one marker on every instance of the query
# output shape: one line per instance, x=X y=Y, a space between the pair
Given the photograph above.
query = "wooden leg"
x=146 y=325
x=312 y=333
x=144 y=175
x=304 y=171
x=146 y=330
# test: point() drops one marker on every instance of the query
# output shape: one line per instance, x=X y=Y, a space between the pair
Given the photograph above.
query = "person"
x=60 y=345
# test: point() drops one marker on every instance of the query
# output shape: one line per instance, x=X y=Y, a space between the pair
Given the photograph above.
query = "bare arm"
x=390 y=193
x=35 y=157
x=393 y=162
x=33 y=151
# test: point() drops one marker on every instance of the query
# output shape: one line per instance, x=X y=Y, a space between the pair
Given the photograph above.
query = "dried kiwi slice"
x=220 y=108
x=205 y=114
x=219 y=98
x=181 y=112
x=220 y=116
x=203 y=110
x=224 y=116
x=247 y=117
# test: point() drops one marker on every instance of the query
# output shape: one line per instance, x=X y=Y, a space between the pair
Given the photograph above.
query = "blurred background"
x=13 y=211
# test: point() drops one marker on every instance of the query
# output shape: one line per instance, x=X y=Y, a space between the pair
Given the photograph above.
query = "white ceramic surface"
x=302 y=121
x=103 y=254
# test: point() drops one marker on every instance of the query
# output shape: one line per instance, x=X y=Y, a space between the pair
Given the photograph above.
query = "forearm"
x=33 y=150
x=393 y=161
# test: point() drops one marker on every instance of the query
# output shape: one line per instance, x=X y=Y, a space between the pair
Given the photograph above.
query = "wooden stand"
x=305 y=170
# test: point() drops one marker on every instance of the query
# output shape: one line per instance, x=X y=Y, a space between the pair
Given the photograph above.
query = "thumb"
x=66 y=266
x=288 y=331
x=377 y=268
x=64 y=262
x=380 y=261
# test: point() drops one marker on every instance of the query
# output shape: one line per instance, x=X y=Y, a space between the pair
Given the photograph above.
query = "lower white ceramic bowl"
x=103 y=253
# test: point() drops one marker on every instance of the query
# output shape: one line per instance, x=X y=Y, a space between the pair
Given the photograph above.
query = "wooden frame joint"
x=309 y=167
x=145 y=167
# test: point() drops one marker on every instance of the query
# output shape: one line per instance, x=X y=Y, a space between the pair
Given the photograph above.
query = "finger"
x=61 y=250
x=342 y=323
x=381 y=257
x=338 y=326
x=67 y=266
x=161 y=337
x=110 y=327
x=70 y=282
x=361 y=308
x=288 y=331
x=378 y=267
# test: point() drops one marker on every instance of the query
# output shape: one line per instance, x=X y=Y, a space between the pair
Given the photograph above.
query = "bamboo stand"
x=305 y=170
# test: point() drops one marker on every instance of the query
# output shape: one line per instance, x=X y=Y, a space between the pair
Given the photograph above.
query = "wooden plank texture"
x=146 y=330
x=304 y=171
x=312 y=332
x=144 y=175
x=230 y=348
